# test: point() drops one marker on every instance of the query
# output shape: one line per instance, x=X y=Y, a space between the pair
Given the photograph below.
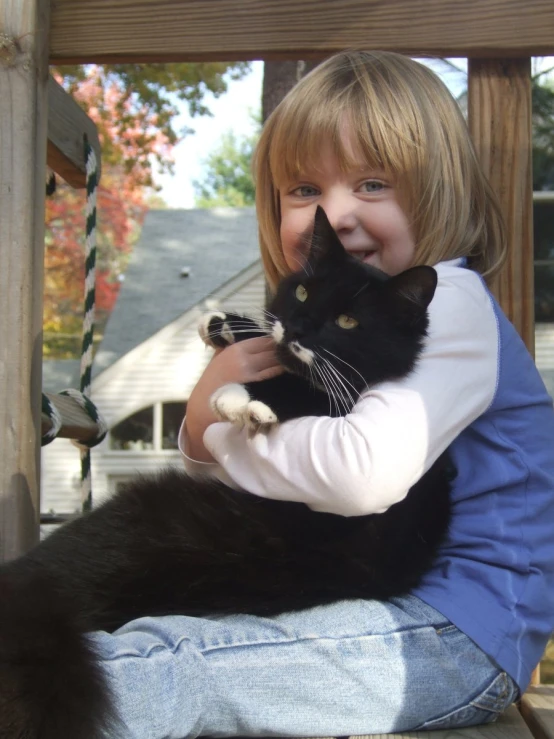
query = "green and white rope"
x=55 y=419
x=88 y=318
x=82 y=396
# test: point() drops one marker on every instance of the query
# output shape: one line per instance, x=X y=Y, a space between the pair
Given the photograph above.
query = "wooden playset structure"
x=39 y=123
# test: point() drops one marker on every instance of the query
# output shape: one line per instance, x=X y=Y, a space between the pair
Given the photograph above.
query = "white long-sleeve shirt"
x=366 y=461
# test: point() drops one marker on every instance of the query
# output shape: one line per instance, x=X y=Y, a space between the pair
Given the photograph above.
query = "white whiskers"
x=347 y=364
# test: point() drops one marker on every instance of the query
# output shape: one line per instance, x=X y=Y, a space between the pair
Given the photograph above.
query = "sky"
x=233 y=111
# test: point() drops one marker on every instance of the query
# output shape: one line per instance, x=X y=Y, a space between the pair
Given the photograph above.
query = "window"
x=172 y=417
x=135 y=433
x=151 y=429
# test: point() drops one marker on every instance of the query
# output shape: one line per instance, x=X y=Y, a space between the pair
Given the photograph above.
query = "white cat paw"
x=213 y=332
x=259 y=416
x=229 y=403
x=232 y=403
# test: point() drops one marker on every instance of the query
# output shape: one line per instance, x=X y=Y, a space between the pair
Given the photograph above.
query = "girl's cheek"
x=295 y=248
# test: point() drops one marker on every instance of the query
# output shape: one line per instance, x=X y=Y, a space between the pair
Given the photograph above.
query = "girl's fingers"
x=251 y=357
x=259 y=345
x=269 y=372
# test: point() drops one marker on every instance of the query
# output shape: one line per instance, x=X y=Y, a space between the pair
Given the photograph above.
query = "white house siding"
x=60 y=477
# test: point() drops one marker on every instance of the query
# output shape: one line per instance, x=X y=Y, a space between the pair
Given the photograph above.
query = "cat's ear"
x=325 y=243
x=412 y=291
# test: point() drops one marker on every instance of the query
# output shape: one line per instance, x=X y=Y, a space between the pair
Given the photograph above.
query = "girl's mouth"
x=363 y=256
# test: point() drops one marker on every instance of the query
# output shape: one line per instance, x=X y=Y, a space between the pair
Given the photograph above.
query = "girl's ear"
x=325 y=243
x=412 y=291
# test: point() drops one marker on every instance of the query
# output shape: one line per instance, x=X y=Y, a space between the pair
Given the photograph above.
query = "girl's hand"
x=252 y=360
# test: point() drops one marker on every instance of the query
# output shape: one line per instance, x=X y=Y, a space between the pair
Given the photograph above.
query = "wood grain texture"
x=23 y=116
x=499 y=115
x=67 y=125
x=537 y=708
x=76 y=423
x=194 y=30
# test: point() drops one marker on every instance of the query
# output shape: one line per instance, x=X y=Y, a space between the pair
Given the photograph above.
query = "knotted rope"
x=81 y=396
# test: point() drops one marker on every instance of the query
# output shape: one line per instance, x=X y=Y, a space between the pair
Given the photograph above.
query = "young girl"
x=378 y=142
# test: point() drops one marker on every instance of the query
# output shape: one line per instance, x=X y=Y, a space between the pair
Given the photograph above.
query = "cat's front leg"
x=219 y=329
x=233 y=403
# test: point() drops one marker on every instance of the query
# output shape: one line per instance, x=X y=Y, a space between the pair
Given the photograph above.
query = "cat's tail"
x=51 y=683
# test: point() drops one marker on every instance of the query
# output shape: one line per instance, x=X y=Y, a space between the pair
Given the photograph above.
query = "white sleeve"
x=195 y=468
x=366 y=461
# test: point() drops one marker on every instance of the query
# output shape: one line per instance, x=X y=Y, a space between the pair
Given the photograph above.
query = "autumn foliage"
x=133 y=107
x=128 y=137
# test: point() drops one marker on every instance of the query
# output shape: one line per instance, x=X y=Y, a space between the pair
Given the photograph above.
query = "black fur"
x=170 y=544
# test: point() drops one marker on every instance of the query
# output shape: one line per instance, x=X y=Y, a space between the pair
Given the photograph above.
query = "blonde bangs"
x=321 y=113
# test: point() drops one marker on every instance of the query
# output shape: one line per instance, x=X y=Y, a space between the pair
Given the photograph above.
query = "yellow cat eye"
x=301 y=293
x=346 y=321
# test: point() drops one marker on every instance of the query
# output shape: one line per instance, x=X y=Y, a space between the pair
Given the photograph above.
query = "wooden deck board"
x=537 y=707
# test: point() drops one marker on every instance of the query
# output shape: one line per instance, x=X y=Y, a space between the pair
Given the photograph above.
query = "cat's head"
x=345 y=325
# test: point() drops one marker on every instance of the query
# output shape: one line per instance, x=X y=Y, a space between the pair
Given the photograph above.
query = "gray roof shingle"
x=60 y=374
x=214 y=244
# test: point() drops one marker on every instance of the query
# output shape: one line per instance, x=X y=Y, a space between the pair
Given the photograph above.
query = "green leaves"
x=228 y=179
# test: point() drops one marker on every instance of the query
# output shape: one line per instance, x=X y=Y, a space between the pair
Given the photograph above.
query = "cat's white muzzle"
x=303 y=354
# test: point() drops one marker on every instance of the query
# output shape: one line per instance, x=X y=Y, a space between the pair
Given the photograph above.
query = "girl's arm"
x=368 y=460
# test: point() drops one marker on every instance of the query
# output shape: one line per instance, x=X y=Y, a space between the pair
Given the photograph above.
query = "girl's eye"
x=305 y=191
x=345 y=321
x=301 y=293
x=372 y=186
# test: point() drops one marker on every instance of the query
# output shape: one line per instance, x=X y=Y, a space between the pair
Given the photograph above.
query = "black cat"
x=172 y=544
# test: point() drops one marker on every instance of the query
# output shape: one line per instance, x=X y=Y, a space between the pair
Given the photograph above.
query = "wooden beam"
x=67 y=125
x=499 y=115
x=23 y=116
x=226 y=30
x=76 y=424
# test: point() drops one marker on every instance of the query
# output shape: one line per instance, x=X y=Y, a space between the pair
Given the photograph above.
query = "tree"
x=228 y=178
x=279 y=79
x=137 y=111
x=543 y=131
x=134 y=108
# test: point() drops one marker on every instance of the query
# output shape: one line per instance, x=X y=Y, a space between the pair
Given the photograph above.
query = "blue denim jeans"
x=354 y=667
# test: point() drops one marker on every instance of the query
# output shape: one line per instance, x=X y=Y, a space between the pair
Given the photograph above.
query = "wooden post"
x=499 y=116
x=24 y=30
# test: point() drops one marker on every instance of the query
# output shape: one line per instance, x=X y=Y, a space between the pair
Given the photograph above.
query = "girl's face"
x=362 y=207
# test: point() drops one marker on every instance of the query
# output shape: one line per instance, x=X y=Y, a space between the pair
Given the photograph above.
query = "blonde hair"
x=406 y=123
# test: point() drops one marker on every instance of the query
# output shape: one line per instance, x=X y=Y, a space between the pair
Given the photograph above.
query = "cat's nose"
x=298 y=331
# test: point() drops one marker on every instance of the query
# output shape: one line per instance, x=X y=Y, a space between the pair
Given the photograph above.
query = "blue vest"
x=494 y=578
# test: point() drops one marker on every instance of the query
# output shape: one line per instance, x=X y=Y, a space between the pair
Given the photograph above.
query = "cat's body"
x=171 y=544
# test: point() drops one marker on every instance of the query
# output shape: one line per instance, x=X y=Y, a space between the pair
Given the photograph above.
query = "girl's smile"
x=362 y=207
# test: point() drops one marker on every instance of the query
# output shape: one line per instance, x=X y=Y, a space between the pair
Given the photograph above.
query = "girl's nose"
x=341 y=212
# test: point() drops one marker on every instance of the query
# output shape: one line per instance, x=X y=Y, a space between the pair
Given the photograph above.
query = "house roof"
x=60 y=374
x=213 y=245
